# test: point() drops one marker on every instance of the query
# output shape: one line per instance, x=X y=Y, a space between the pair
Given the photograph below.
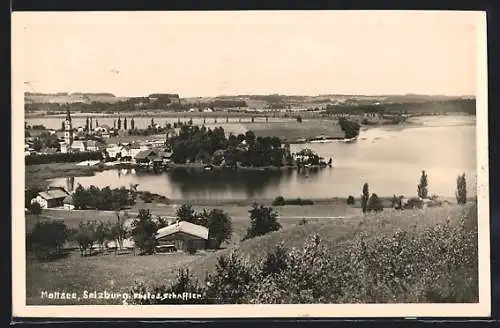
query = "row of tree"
x=194 y=143
x=103 y=199
x=48 y=237
x=374 y=203
x=62 y=157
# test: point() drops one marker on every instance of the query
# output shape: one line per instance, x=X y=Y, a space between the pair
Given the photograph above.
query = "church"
x=69 y=144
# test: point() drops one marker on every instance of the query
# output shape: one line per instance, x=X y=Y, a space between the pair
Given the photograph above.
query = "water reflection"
x=251 y=184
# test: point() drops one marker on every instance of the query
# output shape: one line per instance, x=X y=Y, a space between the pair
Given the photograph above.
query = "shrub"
x=350 y=200
x=184 y=282
x=47 y=239
x=262 y=220
x=279 y=201
x=232 y=280
x=302 y=222
x=146 y=197
x=375 y=204
x=299 y=119
x=413 y=203
x=35 y=208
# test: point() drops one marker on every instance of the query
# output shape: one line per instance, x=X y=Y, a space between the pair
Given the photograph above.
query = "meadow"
x=447 y=265
x=291 y=131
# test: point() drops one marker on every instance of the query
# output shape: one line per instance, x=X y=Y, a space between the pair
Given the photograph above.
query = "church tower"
x=68 y=130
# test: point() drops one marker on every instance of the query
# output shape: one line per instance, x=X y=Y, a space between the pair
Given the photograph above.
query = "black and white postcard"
x=250 y=164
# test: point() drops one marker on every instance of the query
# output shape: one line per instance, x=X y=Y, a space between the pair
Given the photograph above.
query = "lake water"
x=389 y=159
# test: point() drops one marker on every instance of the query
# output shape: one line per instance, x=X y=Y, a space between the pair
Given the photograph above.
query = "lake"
x=390 y=159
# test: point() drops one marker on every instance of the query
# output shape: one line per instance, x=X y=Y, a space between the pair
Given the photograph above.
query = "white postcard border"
x=20 y=309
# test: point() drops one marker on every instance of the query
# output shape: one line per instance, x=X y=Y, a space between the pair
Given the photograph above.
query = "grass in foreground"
x=118 y=273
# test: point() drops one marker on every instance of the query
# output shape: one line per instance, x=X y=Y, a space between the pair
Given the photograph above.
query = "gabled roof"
x=144 y=154
x=53 y=194
x=185 y=227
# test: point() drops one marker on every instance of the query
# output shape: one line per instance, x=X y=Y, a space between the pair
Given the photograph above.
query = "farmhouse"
x=182 y=236
x=53 y=197
x=146 y=156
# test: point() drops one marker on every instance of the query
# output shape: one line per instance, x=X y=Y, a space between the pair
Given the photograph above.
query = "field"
x=117 y=273
x=292 y=131
x=290 y=214
x=37 y=174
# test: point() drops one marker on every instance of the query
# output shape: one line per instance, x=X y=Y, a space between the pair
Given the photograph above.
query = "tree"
x=143 y=232
x=119 y=123
x=29 y=194
x=118 y=231
x=186 y=213
x=461 y=193
x=375 y=204
x=350 y=200
x=422 y=190
x=132 y=124
x=35 y=208
x=299 y=119
x=102 y=233
x=219 y=226
x=125 y=124
x=364 y=198
x=262 y=220
x=85 y=236
x=47 y=239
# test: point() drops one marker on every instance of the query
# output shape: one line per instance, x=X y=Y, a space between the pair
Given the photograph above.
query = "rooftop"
x=183 y=226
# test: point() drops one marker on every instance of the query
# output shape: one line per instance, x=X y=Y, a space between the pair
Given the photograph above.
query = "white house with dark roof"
x=52 y=197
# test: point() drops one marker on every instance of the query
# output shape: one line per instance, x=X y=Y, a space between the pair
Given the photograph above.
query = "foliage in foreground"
x=47 y=239
x=438 y=264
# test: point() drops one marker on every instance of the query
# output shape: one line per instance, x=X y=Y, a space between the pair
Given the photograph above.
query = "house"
x=114 y=151
x=93 y=145
x=166 y=156
x=146 y=156
x=182 y=236
x=79 y=145
x=52 y=197
x=129 y=151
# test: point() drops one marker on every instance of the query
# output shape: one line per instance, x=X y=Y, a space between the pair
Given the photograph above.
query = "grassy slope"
x=118 y=273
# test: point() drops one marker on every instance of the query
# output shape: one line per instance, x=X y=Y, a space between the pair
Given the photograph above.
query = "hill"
x=427 y=255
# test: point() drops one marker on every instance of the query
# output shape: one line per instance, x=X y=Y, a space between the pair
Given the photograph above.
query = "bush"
x=47 y=239
x=435 y=264
x=299 y=119
x=262 y=220
x=414 y=203
x=146 y=197
x=184 y=282
x=350 y=200
x=375 y=204
x=35 y=208
x=302 y=222
x=279 y=201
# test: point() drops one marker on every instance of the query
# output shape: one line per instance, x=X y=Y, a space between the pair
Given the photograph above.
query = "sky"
x=229 y=53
